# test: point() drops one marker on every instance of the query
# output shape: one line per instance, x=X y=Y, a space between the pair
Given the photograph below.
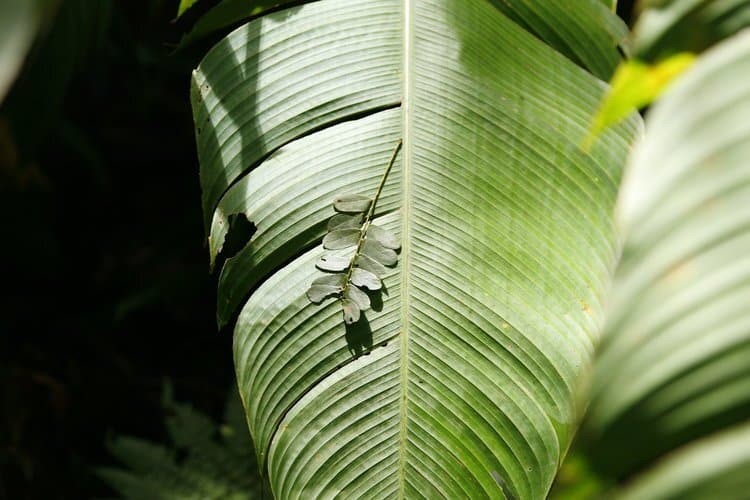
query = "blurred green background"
x=105 y=273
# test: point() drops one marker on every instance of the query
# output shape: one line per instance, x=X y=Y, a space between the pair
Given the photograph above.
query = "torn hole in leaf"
x=239 y=234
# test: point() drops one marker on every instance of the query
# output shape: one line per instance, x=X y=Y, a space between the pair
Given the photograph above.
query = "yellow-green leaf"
x=184 y=5
x=635 y=85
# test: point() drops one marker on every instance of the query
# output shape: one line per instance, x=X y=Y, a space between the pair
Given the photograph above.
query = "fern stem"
x=371 y=211
x=369 y=215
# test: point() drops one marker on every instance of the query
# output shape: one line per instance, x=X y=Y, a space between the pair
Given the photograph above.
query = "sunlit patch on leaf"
x=358 y=252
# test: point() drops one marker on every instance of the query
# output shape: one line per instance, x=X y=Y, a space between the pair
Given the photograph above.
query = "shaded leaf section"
x=329 y=81
x=667 y=27
x=717 y=467
x=588 y=33
x=226 y=14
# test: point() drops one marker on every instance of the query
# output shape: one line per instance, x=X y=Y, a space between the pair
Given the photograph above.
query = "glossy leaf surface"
x=504 y=225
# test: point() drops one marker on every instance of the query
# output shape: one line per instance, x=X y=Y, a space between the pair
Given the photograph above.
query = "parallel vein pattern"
x=273 y=80
x=468 y=388
x=589 y=33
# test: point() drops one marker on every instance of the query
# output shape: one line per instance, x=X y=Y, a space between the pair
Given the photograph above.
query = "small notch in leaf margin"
x=240 y=230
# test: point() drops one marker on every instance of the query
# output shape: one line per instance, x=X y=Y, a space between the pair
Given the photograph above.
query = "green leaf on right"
x=670 y=397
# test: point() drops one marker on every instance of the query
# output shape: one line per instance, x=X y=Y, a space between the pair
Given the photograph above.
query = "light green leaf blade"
x=634 y=86
x=492 y=313
x=307 y=174
x=678 y=335
x=229 y=133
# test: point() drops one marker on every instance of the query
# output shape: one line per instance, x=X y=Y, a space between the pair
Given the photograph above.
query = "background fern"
x=204 y=460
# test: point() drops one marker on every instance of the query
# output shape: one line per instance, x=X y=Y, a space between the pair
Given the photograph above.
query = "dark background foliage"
x=104 y=269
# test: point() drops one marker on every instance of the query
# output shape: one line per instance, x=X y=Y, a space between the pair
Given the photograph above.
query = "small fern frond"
x=204 y=461
x=359 y=252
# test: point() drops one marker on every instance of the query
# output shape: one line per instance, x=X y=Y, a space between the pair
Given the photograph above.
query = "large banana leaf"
x=470 y=381
x=675 y=361
x=586 y=34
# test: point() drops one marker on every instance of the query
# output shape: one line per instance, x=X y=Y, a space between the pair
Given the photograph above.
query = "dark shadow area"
x=241 y=230
x=648 y=435
x=625 y=10
x=359 y=336
x=106 y=291
x=376 y=298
